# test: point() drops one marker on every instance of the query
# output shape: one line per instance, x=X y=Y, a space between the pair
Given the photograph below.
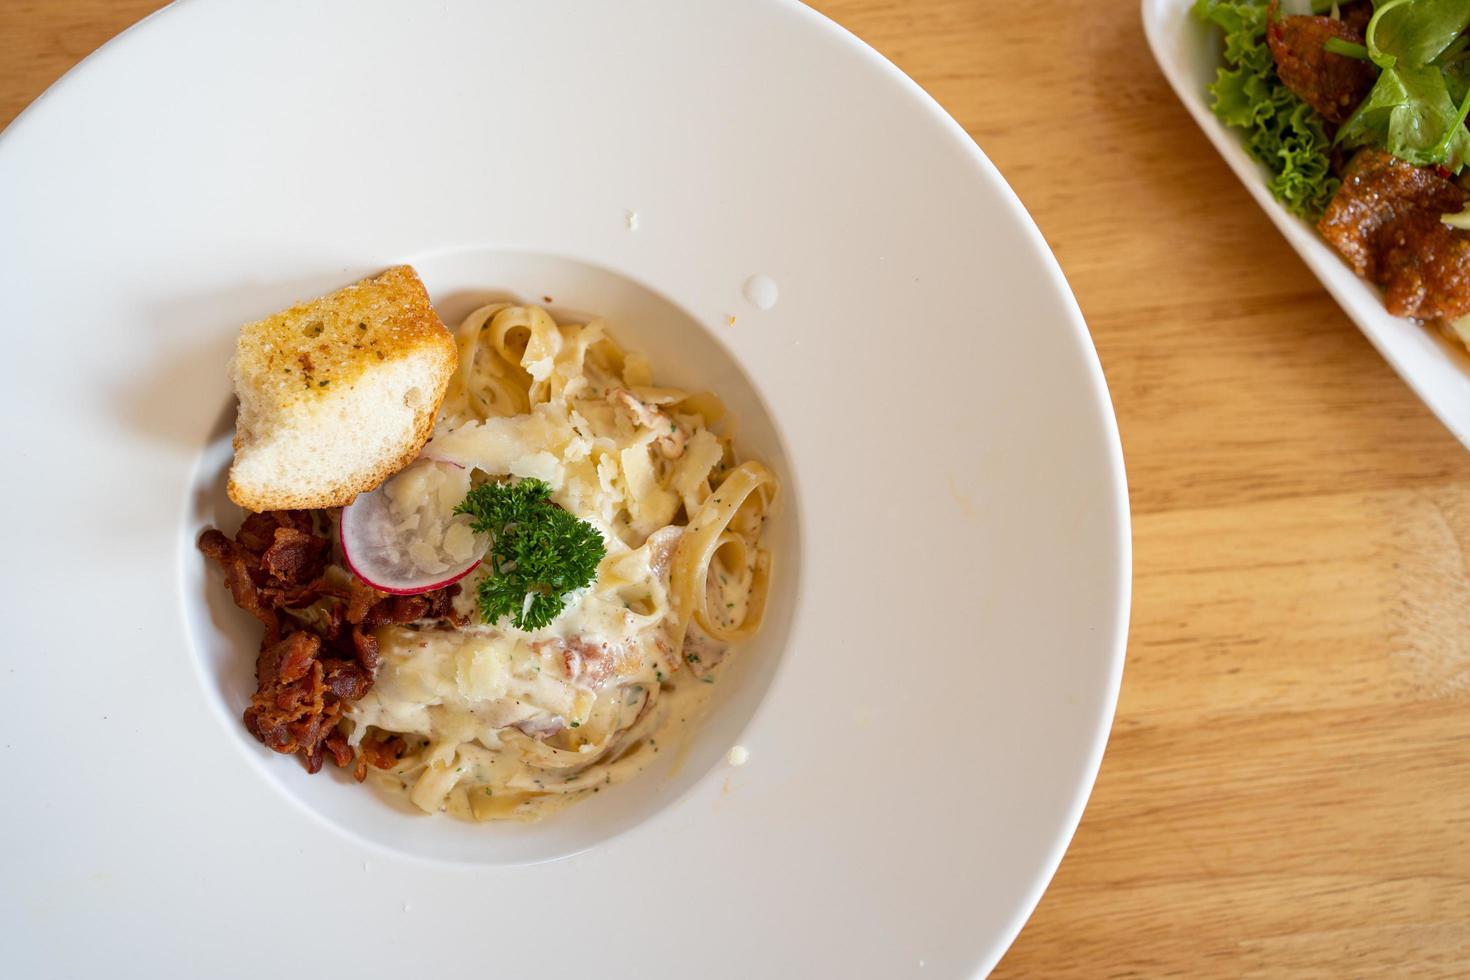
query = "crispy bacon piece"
x=311 y=664
x=1332 y=84
x=336 y=743
x=1385 y=220
x=361 y=599
x=299 y=699
x=400 y=610
x=383 y=751
x=365 y=646
x=285 y=712
x=295 y=557
x=346 y=678
x=258 y=531
x=396 y=610
x=441 y=604
x=238 y=579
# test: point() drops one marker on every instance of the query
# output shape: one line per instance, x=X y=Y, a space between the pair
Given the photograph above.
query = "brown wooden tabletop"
x=1287 y=789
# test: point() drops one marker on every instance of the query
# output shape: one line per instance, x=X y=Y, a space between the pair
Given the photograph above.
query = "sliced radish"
x=404 y=537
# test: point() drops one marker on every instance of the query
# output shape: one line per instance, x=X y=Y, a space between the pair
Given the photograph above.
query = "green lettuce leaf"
x=1281 y=131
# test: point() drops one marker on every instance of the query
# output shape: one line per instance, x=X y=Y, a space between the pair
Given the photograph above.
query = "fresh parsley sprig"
x=539 y=552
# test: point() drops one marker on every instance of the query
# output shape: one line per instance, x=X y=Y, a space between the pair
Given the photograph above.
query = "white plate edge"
x=1122 y=514
x=1081 y=792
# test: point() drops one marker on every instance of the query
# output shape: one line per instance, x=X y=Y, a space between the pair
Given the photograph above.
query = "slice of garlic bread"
x=337 y=394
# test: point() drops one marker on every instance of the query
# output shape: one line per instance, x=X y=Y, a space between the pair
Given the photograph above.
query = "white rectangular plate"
x=1188 y=52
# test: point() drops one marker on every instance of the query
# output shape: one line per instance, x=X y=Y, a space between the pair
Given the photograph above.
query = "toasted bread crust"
x=294 y=358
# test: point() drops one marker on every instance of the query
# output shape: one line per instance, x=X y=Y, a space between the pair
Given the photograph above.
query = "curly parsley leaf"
x=539 y=552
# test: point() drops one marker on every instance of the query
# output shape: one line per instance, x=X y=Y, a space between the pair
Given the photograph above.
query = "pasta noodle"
x=505 y=724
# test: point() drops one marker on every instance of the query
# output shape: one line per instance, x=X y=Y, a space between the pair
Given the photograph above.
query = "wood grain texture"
x=1287 y=791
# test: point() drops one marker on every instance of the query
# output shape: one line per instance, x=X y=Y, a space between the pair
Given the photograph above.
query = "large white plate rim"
x=1116 y=626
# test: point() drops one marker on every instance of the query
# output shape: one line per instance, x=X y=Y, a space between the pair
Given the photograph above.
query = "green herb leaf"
x=1410 y=113
x=1336 y=45
x=1414 y=32
x=538 y=555
x=1414 y=108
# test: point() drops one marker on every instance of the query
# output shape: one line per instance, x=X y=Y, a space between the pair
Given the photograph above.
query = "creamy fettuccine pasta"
x=503 y=723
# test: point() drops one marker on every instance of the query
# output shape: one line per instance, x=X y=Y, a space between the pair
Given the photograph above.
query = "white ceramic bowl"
x=1188 y=52
x=925 y=712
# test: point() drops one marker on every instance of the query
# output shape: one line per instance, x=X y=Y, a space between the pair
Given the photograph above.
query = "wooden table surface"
x=1287 y=789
